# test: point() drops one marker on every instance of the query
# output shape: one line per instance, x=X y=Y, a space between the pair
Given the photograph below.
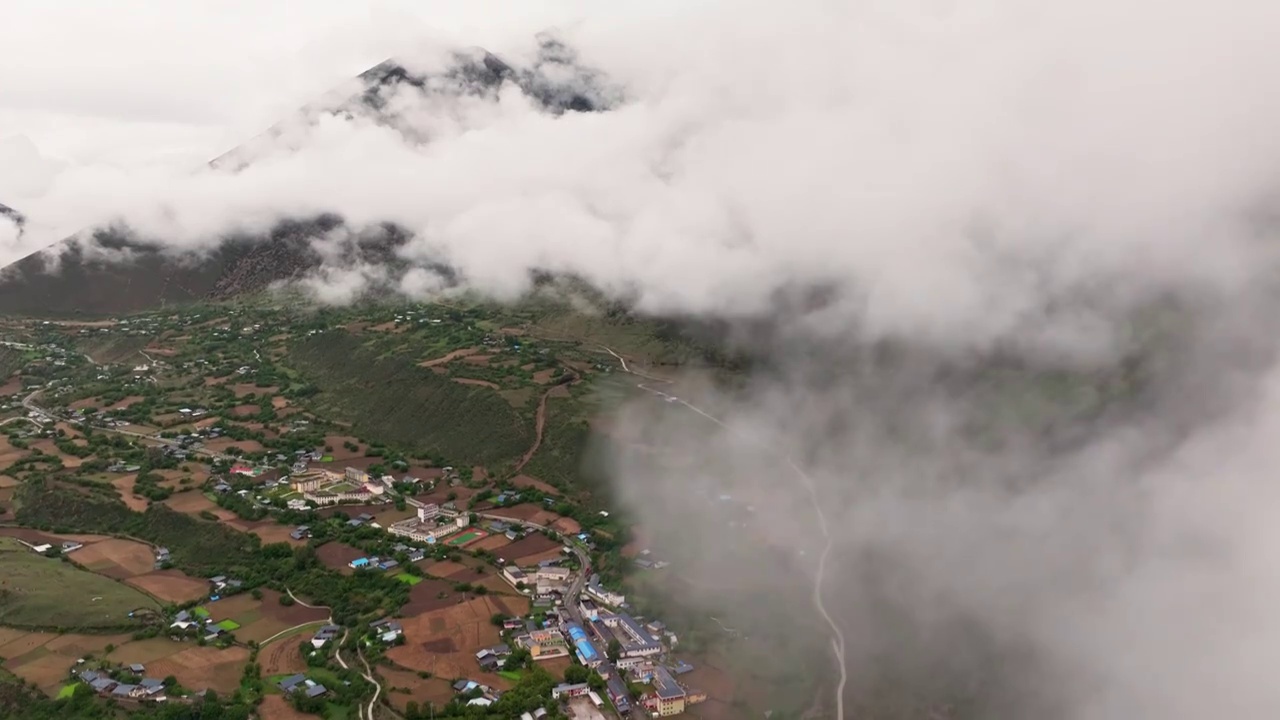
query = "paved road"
x=837 y=636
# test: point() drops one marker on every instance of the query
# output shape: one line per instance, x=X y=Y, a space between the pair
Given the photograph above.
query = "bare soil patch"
x=116 y=558
x=431 y=594
x=124 y=486
x=535 y=558
x=203 y=667
x=272 y=532
x=222 y=444
x=477 y=383
x=479 y=360
x=542 y=377
x=193 y=503
x=282 y=657
x=493 y=542
x=528 y=512
x=172 y=586
x=124 y=403
x=424 y=692
x=12 y=386
x=526 y=481
x=24 y=643
x=341 y=453
x=567 y=526
x=243 y=411
x=336 y=555
x=242 y=389
x=444 y=642
x=445 y=568
x=449 y=357
x=526 y=546
x=275 y=707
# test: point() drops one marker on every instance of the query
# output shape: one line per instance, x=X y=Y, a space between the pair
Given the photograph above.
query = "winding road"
x=365 y=712
x=837 y=636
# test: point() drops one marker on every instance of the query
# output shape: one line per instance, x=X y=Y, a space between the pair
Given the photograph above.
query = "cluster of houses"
x=431 y=524
x=373 y=563
x=603 y=622
x=301 y=683
x=103 y=684
x=66 y=547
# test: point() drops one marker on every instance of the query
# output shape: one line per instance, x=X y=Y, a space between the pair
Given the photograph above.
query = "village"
x=500 y=578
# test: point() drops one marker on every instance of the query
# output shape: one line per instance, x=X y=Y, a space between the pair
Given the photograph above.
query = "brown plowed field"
x=124 y=486
x=445 y=568
x=430 y=594
x=194 y=502
x=115 y=558
x=530 y=545
x=203 y=667
x=336 y=555
x=527 y=481
x=171 y=586
x=444 y=642
x=493 y=542
x=275 y=707
x=431 y=690
x=282 y=656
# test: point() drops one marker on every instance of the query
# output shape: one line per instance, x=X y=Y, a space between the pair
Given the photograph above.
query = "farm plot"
x=532 y=544
x=268 y=618
x=275 y=707
x=124 y=487
x=401 y=686
x=193 y=503
x=171 y=586
x=336 y=555
x=205 y=667
x=430 y=594
x=44 y=592
x=444 y=641
x=46 y=666
x=445 y=569
x=116 y=558
x=282 y=657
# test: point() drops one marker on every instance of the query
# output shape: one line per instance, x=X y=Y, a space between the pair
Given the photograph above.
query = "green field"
x=36 y=591
x=511 y=675
x=326 y=458
x=465 y=538
x=407 y=578
x=229 y=625
x=200 y=612
x=67 y=691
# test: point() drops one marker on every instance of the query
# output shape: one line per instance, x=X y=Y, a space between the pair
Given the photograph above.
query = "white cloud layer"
x=962 y=173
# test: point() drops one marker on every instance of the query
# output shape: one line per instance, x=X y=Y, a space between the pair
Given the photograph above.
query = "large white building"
x=428 y=512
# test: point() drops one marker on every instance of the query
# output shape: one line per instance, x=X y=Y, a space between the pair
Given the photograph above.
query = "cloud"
x=1005 y=210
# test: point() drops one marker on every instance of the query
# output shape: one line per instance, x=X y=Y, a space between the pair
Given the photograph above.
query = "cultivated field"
x=42 y=592
x=444 y=642
x=493 y=542
x=195 y=667
x=193 y=503
x=171 y=585
x=275 y=707
x=533 y=544
x=430 y=595
x=259 y=620
x=423 y=691
x=282 y=656
x=336 y=555
x=46 y=664
x=115 y=558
